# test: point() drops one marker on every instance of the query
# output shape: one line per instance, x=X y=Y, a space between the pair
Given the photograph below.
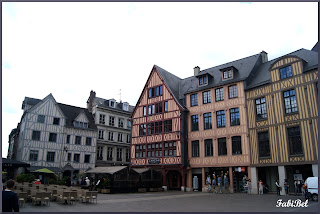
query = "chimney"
x=90 y=101
x=264 y=56
x=196 y=70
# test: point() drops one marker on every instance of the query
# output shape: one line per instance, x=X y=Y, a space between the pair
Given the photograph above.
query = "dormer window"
x=228 y=74
x=203 y=80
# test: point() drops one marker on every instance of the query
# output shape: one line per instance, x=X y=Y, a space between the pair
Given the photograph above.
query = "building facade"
x=114 y=130
x=282 y=109
x=56 y=136
x=159 y=128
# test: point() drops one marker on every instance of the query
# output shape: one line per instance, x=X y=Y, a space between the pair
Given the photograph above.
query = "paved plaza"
x=175 y=201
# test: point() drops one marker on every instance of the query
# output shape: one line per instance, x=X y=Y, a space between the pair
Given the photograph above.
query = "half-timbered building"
x=159 y=129
x=282 y=108
x=114 y=130
x=56 y=136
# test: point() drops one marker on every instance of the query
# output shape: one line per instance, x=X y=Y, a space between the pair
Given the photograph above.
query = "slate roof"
x=262 y=74
x=105 y=104
x=71 y=112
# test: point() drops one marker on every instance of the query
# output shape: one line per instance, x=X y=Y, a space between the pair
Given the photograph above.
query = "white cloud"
x=68 y=49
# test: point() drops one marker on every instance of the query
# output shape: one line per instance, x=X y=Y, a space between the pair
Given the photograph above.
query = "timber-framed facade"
x=283 y=119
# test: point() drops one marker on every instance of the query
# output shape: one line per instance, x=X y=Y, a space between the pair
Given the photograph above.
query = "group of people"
x=219 y=181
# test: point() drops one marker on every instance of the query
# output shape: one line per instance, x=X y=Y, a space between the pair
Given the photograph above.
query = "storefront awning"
x=141 y=170
x=106 y=169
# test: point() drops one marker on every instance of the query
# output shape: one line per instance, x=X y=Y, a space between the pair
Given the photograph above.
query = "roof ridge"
x=230 y=62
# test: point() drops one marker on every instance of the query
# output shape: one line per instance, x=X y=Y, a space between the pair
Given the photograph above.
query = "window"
x=128 y=124
x=290 y=101
x=76 y=158
x=87 y=158
x=285 y=72
x=68 y=139
x=78 y=140
x=33 y=155
x=150 y=128
x=128 y=155
x=144 y=111
x=234 y=117
x=219 y=94
x=99 y=153
x=128 y=138
x=158 y=127
x=236 y=145
x=221 y=119
x=227 y=74
x=119 y=154
x=36 y=135
x=168 y=126
x=194 y=123
x=233 y=92
x=169 y=149
x=222 y=146
x=207 y=121
x=111 y=121
x=111 y=137
x=195 y=148
x=121 y=122
x=56 y=121
x=166 y=106
x=295 y=144
x=88 y=141
x=158 y=108
x=40 y=118
x=261 y=108
x=206 y=97
x=203 y=80
x=155 y=91
x=109 y=154
x=102 y=119
x=52 y=137
x=101 y=134
x=50 y=156
x=120 y=137
x=208 y=147
x=194 y=99
x=69 y=156
x=264 y=148
x=142 y=130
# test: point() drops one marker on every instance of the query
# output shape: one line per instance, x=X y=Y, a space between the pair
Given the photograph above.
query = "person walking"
x=278 y=187
x=260 y=184
x=286 y=186
x=295 y=187
x=249 y=187
x=220 y=184
x=10 y=202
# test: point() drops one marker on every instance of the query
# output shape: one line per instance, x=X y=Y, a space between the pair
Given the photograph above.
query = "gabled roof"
x=70 y=112
x=262 y=75
x=105 y=104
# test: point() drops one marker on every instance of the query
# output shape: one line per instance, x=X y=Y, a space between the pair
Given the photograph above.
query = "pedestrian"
x=10 y=202
x=296 y=186
x=260 y=184
x=278 y=187
x=286 y=186
x=249 y=187
x=214 y=183
x=226 y=181
x=220 y=184
x=208 y=182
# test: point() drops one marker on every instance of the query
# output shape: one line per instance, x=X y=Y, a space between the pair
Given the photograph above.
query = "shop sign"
x=154 y=161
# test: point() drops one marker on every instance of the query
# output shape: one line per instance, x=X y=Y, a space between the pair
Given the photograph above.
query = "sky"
x=69 y=49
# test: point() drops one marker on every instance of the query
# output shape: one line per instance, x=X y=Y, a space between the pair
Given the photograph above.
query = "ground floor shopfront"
x=236 y=177
x=270 y=174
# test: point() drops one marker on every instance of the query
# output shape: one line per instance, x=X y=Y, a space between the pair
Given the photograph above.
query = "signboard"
x=297 y=176
x=154 y=161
